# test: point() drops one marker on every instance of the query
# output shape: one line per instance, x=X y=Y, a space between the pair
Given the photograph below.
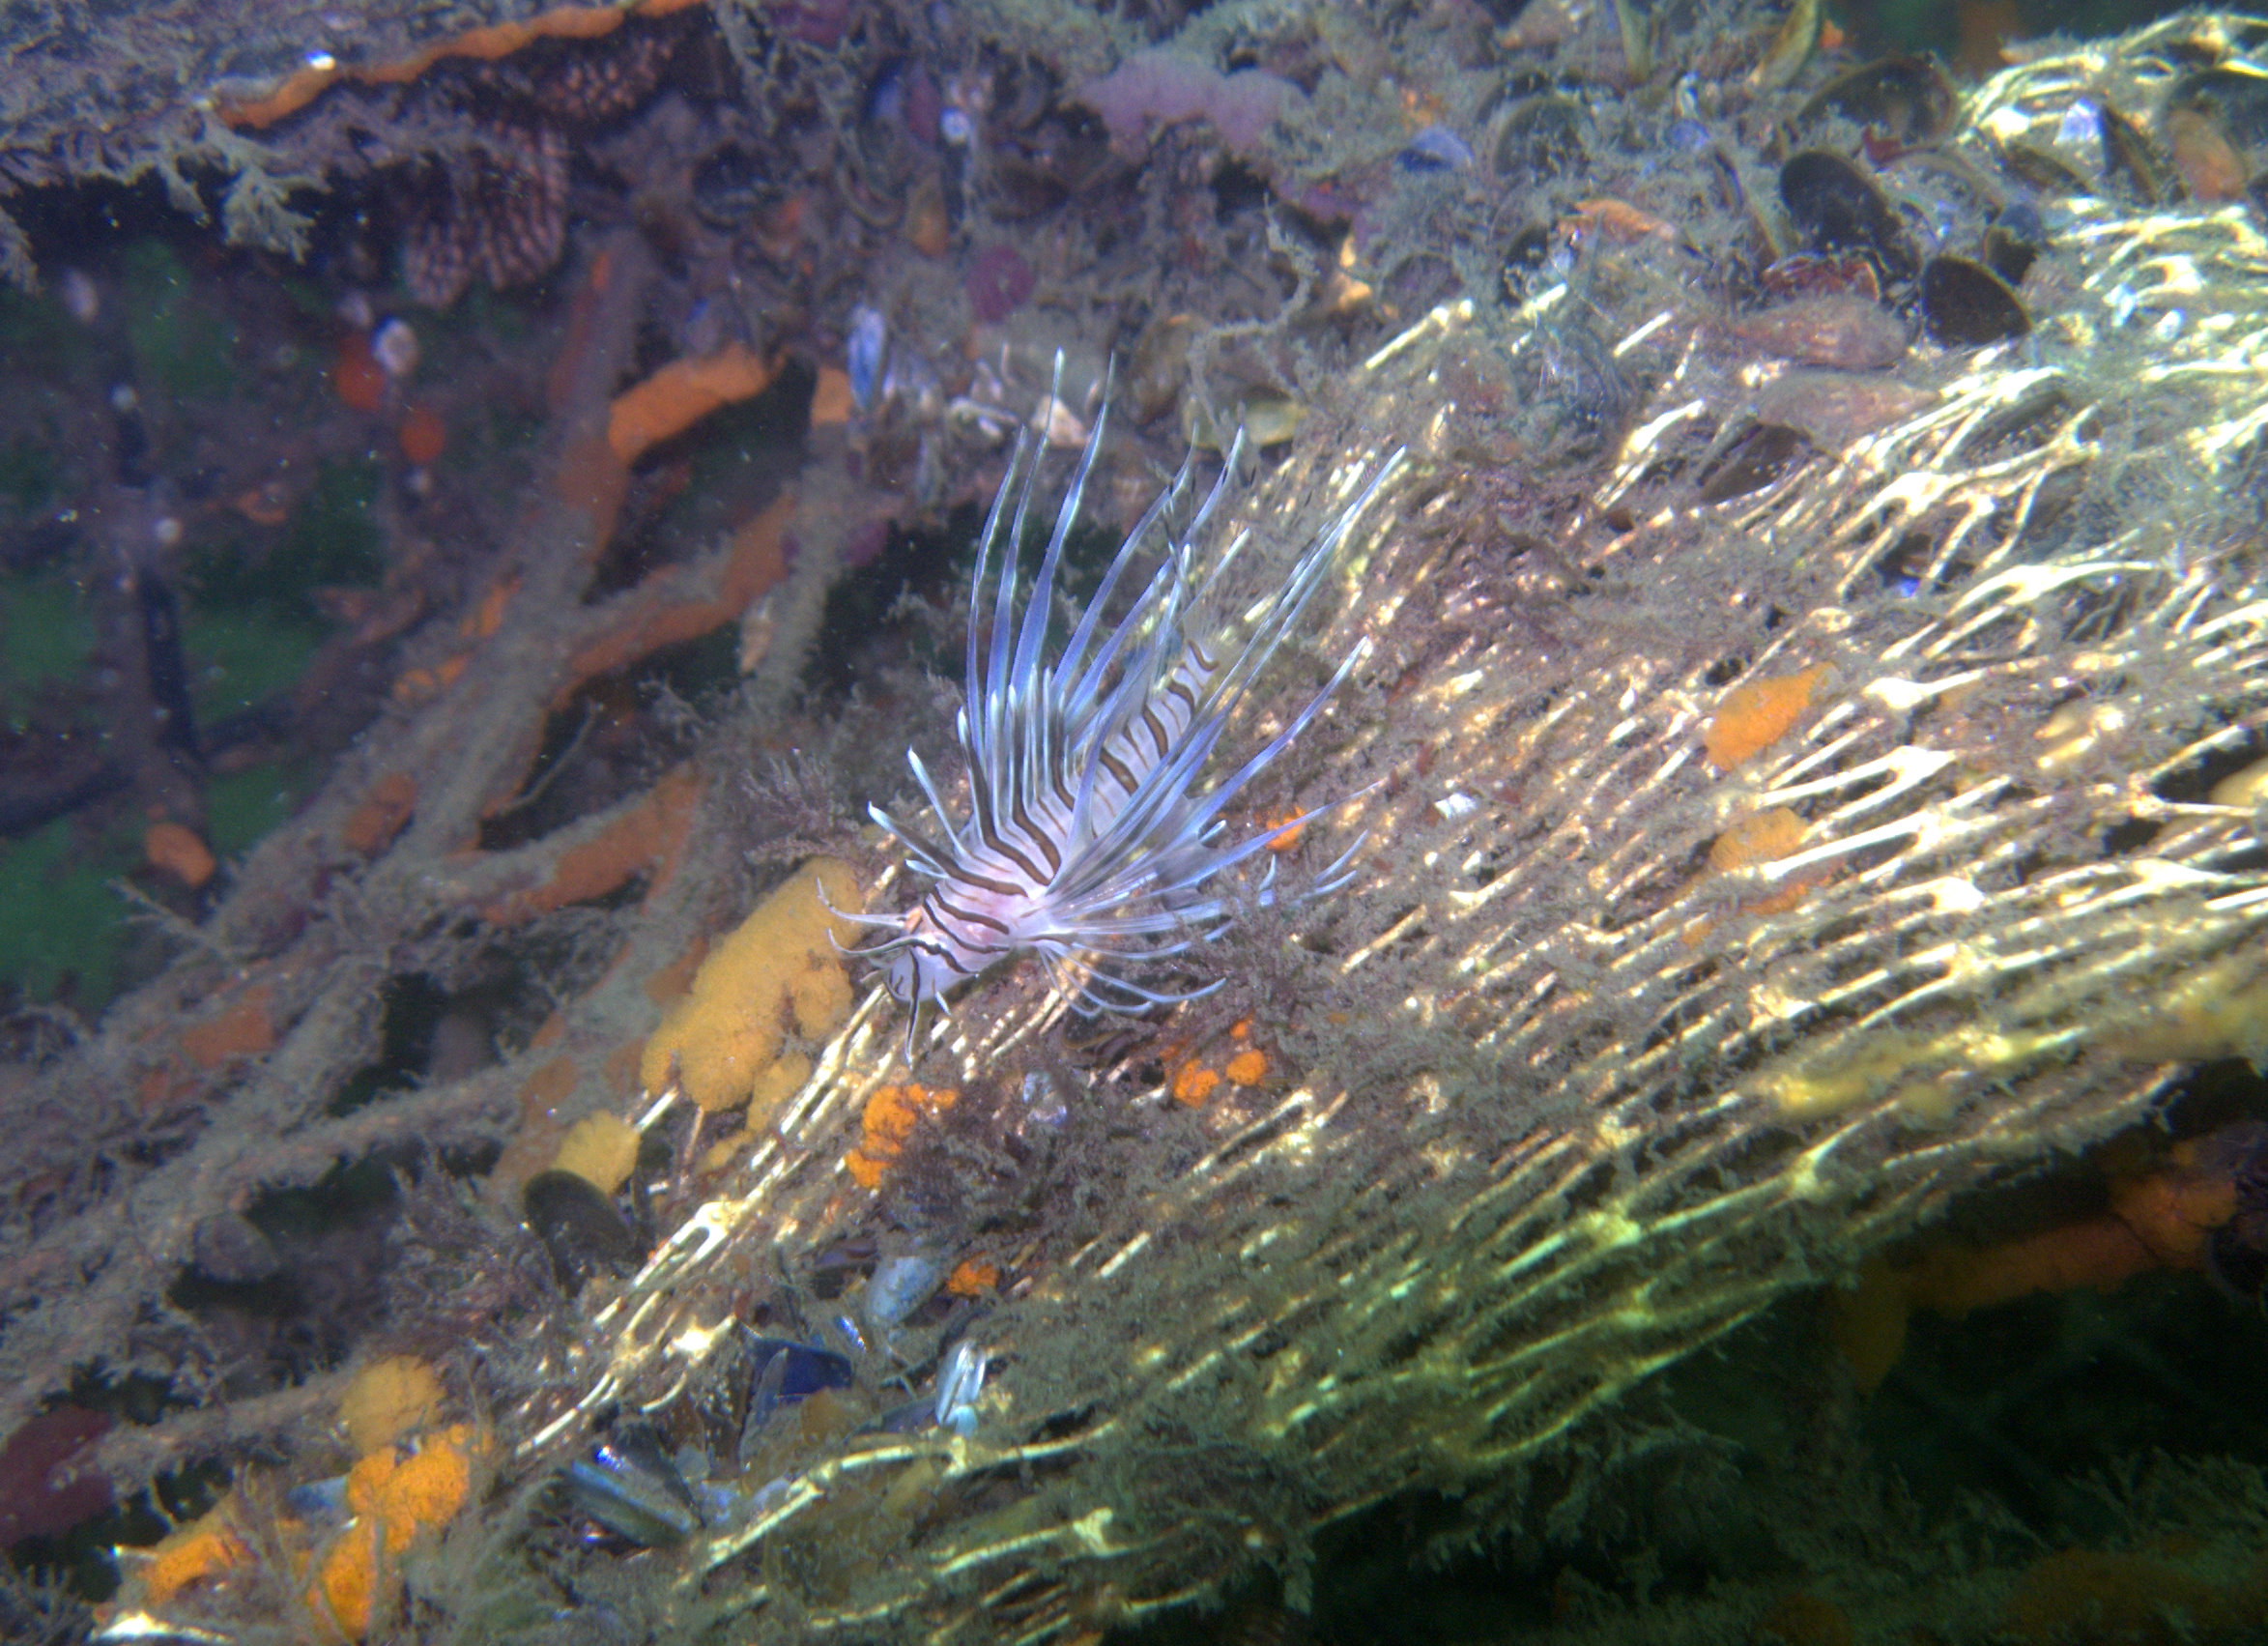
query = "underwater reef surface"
x=181 y=93
x=1803 y=765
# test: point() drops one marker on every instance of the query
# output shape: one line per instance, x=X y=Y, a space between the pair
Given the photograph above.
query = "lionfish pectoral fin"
x=828 y=904
x=1139 y=998
x=1341 y=869
x=869 y=951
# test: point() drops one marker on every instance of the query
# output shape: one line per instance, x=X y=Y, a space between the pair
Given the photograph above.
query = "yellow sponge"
x=778 y=971
x=388 y=1400
x=601 y=1150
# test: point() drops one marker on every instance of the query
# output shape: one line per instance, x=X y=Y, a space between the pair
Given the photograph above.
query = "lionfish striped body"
x=1090 y=840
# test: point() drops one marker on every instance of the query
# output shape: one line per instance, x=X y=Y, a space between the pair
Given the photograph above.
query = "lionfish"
x=1090 y=839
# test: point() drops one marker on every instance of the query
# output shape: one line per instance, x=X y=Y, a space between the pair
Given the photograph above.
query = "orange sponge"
x=1756 y=714
x=679 y=395
x=891 y=1115
x=393 y=1498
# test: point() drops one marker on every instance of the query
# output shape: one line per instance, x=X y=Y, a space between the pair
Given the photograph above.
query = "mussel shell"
x=2215 y=123
x=1036 y=171
x=903 y=1283
x=1792 y=45
x=2010 y=249
x=1756 y=457
x=1836 y=207
x=580 y=1225
x=2014 y=240
x=1526 y=252
x=1265 y=420
x=1582 y=381
x=1832 y=409
x=629 y=1485
x=2211 y=167
x=1419 y=282
x=2131 y=161
x=2238 y=1257
x=2042 y=170
x=2023 y=220
x=1810 y=273
x=1965 y=305
x=2008 y=255
x=2236 y=98
x=887 y=90
x=1436 y=148
x=808 y=1370
x=1906 y=98
x=781 y=1374
x=1837 y=329
x=864 y=349
x=320 y=1503
x=1160 y=363
x=2210 y=46
x=1539 y=137
x=2024 y=426
x=731 y=187
x=227 y=1247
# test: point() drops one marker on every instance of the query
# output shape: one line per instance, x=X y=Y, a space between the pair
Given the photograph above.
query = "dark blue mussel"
x=1906 y=98
x=580 y=1226
x=631 y=1485
x=782 y=1372
x=1965 y=305
x=1836 y=207
x=2013 y=241
x=636 y=1488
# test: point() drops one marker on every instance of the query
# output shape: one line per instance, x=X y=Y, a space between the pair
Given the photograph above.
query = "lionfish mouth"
x=1093 y=838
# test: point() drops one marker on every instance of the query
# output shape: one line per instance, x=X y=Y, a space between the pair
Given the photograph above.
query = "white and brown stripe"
x=1091 y=839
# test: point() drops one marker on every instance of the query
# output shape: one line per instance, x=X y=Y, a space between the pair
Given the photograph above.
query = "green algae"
x=242 y=807
x=242 y=657
x=180 y=347
x=46 y=635
x=63 y=922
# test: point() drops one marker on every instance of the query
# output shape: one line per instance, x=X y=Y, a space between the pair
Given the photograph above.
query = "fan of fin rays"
x=1131 y=877
x=1419 y=1281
